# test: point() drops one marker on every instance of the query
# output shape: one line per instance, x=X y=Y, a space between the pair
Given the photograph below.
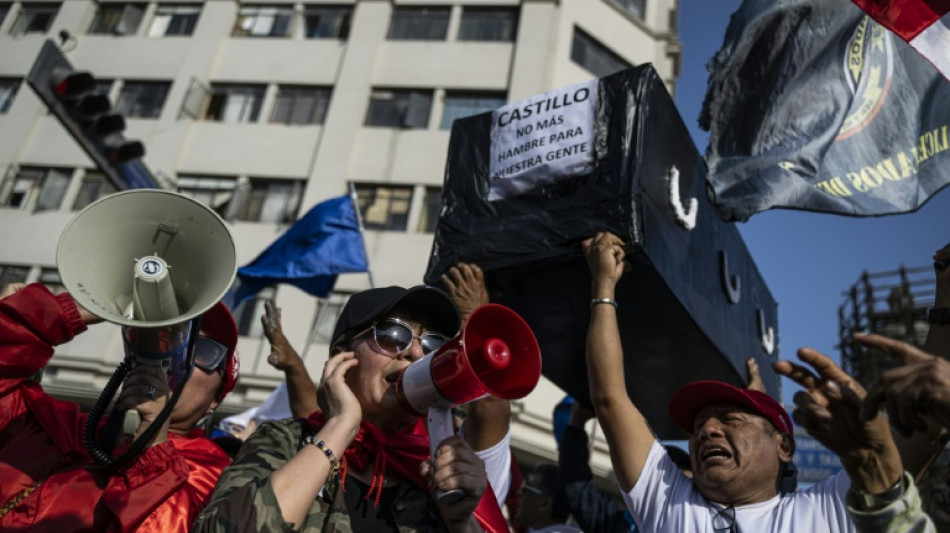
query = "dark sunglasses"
x=393 y=337
x=529 y=488
x=209 y=354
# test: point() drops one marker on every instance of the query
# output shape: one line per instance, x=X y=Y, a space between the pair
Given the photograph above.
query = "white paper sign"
x=542 y=139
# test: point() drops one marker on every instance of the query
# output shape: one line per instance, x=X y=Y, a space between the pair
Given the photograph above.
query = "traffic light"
x=88 y=116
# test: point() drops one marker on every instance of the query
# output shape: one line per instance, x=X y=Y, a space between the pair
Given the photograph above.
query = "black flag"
x=812 y=105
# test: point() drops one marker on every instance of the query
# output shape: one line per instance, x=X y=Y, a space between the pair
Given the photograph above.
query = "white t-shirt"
x=498 y=466
x=665 y=500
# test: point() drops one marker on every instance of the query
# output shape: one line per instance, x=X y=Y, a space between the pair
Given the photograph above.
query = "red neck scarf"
x=402 y=451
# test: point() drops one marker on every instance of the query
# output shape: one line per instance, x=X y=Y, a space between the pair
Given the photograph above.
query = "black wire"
x=113 y=464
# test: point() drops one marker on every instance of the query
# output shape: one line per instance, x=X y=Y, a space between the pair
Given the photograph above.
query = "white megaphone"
x=496 y=354
x=152 y=261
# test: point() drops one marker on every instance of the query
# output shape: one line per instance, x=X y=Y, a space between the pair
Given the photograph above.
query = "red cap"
x=693 y=398
x=218 y=324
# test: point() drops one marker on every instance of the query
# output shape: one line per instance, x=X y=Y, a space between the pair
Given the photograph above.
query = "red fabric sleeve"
x=32 y=321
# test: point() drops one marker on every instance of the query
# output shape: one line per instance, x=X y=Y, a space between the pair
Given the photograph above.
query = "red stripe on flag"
x=906 y=18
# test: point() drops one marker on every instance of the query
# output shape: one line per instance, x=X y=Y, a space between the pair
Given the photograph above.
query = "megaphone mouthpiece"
x=496 y=354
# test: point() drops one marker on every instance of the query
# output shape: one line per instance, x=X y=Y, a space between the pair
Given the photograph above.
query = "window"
x=94 y=186
x=103 y=87
x=264 y=21
x=174 y=20
x=419 y=23
x=635 y=7
x=50 y=277
x=595 y=57
x=274 y=201
x=431 y=206
x=248 y=316
x=235 y=103
x=488 y=24
x=214 y=192
x=384 y=207
x=458 y=105
x=4 y=9
x=142 y=99
x=332 y=306
x=8 y=90
x=13 y=274
x=300 y=105
x=327 y=22
x=34 y=18
x=36 y=188
x=117 y=19
x=399 y=109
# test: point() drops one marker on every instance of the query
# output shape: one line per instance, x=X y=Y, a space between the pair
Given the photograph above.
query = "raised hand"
x=466 y=285
x=916 y=391
x=282 y=354
x=829 y=409
x=334 y=396
x=605 y=259
x=752 y=374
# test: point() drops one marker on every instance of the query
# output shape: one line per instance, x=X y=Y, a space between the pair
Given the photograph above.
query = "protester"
x=466 y=286
x=593 y=509
x=292 y=474
x=275 y=407
x=738 y=438
x=543 y=506
x=49 y=482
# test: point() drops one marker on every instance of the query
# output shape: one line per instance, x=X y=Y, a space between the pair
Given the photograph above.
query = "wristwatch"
x=865 y=502
x=938 y=315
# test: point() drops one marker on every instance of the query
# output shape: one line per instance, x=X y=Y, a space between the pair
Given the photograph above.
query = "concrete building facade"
x=263 y=109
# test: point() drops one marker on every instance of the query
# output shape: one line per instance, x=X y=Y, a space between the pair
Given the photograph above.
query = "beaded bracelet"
x=334 y=462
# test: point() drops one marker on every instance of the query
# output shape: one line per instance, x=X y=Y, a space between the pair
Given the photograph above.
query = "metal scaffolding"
x=893 y=304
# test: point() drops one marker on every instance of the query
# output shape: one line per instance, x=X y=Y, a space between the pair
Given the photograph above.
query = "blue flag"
x=309 y=255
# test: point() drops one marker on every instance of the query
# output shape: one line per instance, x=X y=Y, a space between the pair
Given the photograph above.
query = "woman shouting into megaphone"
x=362 y=462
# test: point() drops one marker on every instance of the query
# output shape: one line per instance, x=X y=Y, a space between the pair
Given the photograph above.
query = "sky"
x=807 y=259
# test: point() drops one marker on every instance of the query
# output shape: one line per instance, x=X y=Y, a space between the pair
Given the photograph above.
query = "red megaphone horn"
x=495 y=354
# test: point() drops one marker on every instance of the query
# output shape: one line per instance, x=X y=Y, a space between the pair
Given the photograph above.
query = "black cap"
x=365 y=307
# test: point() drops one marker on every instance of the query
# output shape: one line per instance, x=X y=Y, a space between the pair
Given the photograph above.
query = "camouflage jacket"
x=904 y=515
x=244 y=499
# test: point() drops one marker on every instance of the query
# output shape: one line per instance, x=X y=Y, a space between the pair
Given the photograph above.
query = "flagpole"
x=317 y=319
x=359 y=224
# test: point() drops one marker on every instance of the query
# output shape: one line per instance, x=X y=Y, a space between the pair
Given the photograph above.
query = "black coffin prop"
x=693 y=307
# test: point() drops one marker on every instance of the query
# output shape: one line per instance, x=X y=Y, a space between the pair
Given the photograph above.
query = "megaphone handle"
x=440 y=427
x=131 y=422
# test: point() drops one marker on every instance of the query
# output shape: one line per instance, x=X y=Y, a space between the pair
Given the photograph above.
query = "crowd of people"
x=352 y=458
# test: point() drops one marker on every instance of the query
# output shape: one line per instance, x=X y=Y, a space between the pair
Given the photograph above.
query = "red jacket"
x=41 y=442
